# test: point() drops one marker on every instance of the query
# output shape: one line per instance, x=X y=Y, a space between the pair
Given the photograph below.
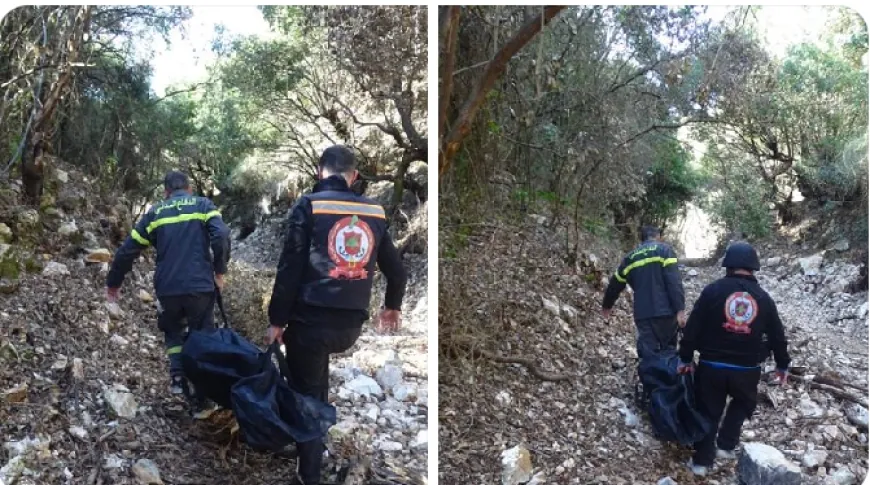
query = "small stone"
x=121 y=402
x=68 y=229
x=114 y=310
x=503 y=398
x=538 y=219
x=390 y=375
x=147 y=473
x=5 y=233
x=17 y=394
x=343 y=429
x=61 y=363
x=841 y=477
x=79 y=432
x=516 y=466
x=666 y=481
x=773 y=262
x=422 y=396
x=762 y=464
x=552 y=306
x=78 y=369
x=27 y=217
x=814 y=458
x=857 y=415
x=421 y=440
x=841 y=245
x=145 y=296
x=389 y=445
x=811 y=265
x=405 y=392
x=540 y=478
x=53 y=268
x=61 y=176
x=830 y=431
x=113 y=462
x=692 y=272
x=810 y=409
x=101 y=255
x=364 y=386
x=863 y=310
x=118 y=340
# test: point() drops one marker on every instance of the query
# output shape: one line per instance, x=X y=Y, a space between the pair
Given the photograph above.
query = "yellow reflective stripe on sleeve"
x=339 y=207
x=173 y=350
x=138 y=238
x=195 y=216
x=619 y=278
x=646 y=261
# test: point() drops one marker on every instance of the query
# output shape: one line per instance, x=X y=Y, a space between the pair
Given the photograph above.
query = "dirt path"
x=526 y=302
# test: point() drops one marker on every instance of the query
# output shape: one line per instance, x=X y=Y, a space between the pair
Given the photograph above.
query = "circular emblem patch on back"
x=741 y=309
x=351 y=243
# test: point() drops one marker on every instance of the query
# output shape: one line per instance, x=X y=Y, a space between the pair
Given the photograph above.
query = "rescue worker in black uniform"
x=193 y=248
x=659 y=300
x=324 y=281
x=727 y=326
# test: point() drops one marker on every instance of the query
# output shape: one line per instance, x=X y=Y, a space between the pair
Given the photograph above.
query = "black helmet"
x=741 y=255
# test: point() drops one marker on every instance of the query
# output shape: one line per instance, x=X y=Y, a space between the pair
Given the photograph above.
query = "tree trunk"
x=33 y=163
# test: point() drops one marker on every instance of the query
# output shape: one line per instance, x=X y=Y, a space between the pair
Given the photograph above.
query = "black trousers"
x=177 y=313
x=308 y=349
x=655 y=335
x=713 y=385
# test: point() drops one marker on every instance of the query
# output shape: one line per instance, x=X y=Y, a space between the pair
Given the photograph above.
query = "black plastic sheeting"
x=271 y=415
x=672 y=410
x=237 y=375
x=214 y=361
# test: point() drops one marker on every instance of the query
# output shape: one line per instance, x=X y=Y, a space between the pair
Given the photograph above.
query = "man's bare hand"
x=219 y=281
x=274 y=333
x=606 y=312
x=681 y=319
x=113 y=294
x=389 y=321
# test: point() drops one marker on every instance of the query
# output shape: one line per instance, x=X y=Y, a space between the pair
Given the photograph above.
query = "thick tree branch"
x=462 y=127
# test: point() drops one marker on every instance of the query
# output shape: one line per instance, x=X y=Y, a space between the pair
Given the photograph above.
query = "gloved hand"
x=685 y=368
x=781 y=376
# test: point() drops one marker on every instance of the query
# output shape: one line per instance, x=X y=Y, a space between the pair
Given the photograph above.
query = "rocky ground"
x=83 y=385
x=573 y=421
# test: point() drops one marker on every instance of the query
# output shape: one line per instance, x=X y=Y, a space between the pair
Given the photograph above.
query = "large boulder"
x=762 y=464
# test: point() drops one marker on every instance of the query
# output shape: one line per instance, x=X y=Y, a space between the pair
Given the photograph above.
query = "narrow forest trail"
x=84 y=385
x=587 y=428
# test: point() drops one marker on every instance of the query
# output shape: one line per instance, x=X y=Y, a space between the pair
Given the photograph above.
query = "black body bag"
x=672 y=410
x=271 y=414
